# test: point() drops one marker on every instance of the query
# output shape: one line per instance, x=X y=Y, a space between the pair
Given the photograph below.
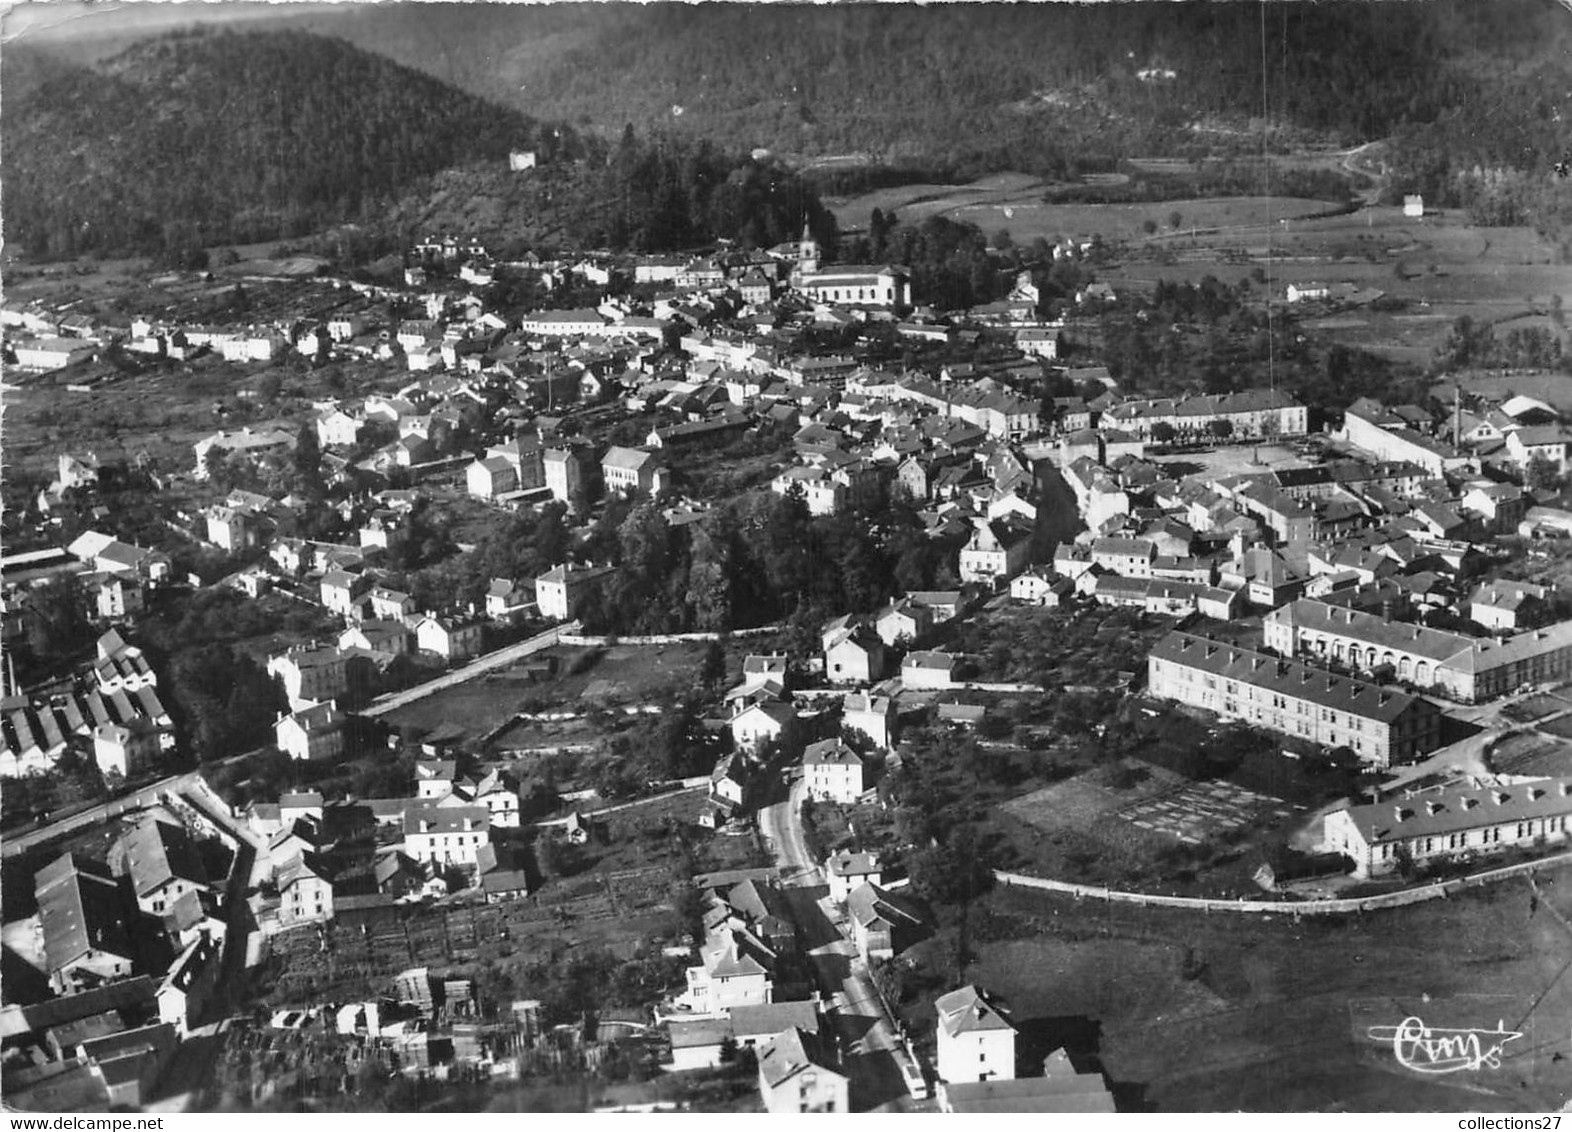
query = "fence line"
x=1335 y=906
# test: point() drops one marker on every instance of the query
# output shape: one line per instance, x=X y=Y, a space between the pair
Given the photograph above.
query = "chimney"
x=1499 y=797
x=1433 y=807
x=1400 y=813
x=1565 y=786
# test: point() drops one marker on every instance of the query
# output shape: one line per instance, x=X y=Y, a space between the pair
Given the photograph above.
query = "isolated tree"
x=1174 y=220
x=1163 y=432
x=1220 y=428
x=1149 y=226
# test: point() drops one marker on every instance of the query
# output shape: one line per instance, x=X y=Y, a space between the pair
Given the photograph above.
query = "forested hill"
x=1049 y=88
x=229 y=137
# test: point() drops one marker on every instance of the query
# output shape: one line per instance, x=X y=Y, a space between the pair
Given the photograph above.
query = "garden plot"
x=1201 y=811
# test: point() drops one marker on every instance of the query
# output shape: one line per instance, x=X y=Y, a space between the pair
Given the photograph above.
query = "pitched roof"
x=154 y=852
x=791 y=1052
x=965 y=1010
x=830 y=752
x=1288 y=677
x=1450 y=811
x=80 y=908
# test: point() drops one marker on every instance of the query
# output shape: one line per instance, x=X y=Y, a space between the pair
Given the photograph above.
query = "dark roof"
x=1449 y=811
x=81 y=909
x=1287 y=677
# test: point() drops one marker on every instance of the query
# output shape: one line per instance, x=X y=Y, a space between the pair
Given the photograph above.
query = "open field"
x=1228 y=1012
x=1014 y=201
x=1442 y=267
x=622 y=674
x=584 y=679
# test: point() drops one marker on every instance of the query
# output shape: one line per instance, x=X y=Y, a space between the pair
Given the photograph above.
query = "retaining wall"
x=1339 y=906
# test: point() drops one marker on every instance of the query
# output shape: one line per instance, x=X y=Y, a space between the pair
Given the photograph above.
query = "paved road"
x=781 y=825
x=869 y=1033
x=492 y=661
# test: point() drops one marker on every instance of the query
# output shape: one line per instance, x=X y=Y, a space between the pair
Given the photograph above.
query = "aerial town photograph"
x=768 y=557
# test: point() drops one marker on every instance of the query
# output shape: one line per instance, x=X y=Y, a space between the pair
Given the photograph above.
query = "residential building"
x=310 y=676
x=976 y=1042
x=314 y=732
x=127 y=749
x=305 y=892
x=245 y=444
x=998 y=549
x=446 y=836
x=1463 y=668
x=760 y=722
x=561 y=591
x=930 y=669
x=1383 y=728
x=633 y=470
x=1506 y=606
x=854 y=655
x=162 y=862
x=847 y=870
x=902 y=622
x=883 y=923
x=454 y=638
x=1450 y=824
x=833 y=772
x=870 y=715
x=735 y=970
x=798 y=1072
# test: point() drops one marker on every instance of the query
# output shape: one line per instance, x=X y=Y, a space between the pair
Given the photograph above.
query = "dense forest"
x=195 y=140
x=198 y=139
x=229 y=137
x=645 y=194
x=1052 y=88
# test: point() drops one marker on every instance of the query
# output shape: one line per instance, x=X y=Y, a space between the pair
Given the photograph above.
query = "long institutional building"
x=1460 y=667
x=1447 y=824
x=1382 y=727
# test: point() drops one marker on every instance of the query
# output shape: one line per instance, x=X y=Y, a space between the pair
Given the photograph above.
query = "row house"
x=1249 y=414
x=1450 y=824
x=1463 y=668
x=1383 y=728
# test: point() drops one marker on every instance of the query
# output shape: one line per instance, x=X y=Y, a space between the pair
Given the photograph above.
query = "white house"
x=848 y=870
x=976 y=1043
x=446 y=836
x=833 y=772
x=870 y=715
x=998 y=549
x=854 y=656
x=929 y=669
x=312 y=732
x=759 y=723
